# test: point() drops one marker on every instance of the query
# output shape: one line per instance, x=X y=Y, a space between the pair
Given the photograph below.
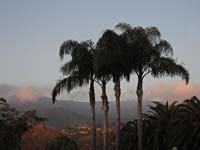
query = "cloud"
x=28 y=94
x=22 y=93
x=176 y=90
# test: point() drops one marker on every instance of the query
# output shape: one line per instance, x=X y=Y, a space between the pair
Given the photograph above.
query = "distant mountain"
x=65 y=113
x=62 y=118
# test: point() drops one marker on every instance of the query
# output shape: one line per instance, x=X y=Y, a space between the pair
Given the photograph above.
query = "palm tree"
x=78 y=72
x=114 y=53
x=159 y=124
x=160 y=120
x=128 y=134
x=103 y=62
x=187 y=132
x=151 y=55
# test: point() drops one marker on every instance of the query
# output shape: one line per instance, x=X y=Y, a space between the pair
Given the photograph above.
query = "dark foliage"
x=12 y=125
x=62 y=143
x=166 y=126
x=78 y=71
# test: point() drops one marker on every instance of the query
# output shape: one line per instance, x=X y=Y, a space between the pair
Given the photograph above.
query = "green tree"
x=62 y=143
x=149 y=54
x=78 y=72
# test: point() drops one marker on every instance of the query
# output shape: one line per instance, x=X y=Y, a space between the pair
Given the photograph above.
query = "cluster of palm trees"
x=167 y=126
x=116 y=56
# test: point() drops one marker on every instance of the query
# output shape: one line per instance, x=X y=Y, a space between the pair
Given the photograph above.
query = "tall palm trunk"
x=105 y=109
x=92 y=106
x=117 y=113
x=139 y=93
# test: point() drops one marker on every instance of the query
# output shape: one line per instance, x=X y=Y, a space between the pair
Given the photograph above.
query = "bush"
x=62 y=143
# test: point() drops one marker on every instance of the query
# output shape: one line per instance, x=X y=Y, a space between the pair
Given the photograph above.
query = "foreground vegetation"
x=13 y=125
x=26 y=131
x=166 y=126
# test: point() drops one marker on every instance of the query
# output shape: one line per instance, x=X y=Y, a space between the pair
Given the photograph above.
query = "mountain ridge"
x=67 y=113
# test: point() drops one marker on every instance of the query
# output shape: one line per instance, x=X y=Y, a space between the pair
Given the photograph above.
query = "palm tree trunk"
x=105 y=109
x=139 y=93
x=92 y=106
x=117 y=115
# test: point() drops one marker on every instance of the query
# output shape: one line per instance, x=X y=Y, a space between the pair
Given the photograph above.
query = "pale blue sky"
x=31 y=32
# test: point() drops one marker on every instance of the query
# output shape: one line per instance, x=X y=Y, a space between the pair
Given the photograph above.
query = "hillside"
x=66 y=113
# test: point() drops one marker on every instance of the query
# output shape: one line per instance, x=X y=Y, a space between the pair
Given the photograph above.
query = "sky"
x=31 y=32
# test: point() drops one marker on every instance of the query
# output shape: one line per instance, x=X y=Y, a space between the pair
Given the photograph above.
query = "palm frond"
x=168 y=67
x=111 y=56
x=164 y=48
x=69 y=84
x=68 y=67
x=67 y=47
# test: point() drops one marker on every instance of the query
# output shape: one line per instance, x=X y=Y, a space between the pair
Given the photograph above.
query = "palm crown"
x=78 y=70
x=149 y=54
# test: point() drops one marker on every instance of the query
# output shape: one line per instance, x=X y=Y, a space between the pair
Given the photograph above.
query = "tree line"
x=116 y=56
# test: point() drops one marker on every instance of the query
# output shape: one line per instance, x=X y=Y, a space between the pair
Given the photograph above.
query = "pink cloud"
x=28 y=94
x=176 y=90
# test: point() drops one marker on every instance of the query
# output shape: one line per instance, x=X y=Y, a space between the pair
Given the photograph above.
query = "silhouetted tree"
x=78 y=72
x=113 y=54
x=160 y=120
x=149 y=54
x=128 y=136
x=166 y=126
x=187 y=132
x=159 y=124
x=103 y=75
